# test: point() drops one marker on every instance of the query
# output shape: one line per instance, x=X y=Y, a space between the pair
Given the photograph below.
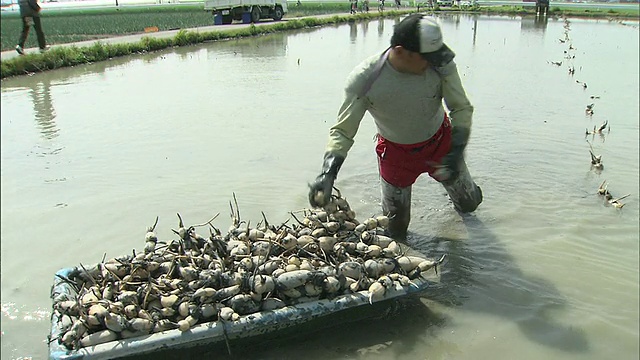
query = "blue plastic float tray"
x=215 y=332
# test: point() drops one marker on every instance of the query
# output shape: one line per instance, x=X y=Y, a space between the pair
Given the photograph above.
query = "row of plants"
x=70 y=26
x=66 y=26
x=72 y=55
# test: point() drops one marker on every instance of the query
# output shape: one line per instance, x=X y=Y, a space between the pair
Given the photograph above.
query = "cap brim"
x=440 y=57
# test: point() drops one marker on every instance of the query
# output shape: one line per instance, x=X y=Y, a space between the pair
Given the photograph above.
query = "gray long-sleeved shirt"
x=407 y=108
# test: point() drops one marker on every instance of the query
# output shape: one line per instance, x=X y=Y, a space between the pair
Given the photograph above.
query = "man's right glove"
x=320 y=190
x=449 y=168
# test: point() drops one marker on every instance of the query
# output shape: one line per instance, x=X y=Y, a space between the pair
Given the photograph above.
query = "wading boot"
x=463 y=191
x=396 y=204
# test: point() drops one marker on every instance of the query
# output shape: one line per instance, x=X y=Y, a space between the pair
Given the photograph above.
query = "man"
x=403 y=90
x=30 y=14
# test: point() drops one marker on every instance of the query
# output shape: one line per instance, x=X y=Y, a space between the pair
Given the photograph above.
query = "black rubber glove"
x=449 y=168
x=320 y=189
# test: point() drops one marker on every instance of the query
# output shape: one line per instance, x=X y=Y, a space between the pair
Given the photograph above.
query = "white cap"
x=422 y=34
x=430 y=35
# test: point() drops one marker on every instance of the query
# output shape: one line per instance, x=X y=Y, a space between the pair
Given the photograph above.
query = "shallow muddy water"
x=543 y=269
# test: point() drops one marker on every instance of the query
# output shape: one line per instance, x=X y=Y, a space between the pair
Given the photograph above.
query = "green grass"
x=562 y=11
x=70 y=26
x=308 y=9
x=72 y=55
x=65 y=26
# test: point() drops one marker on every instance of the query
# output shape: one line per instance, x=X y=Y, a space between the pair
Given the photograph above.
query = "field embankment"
x=68 y=26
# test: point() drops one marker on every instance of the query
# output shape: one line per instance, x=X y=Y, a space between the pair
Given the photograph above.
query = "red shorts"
x=401 y=164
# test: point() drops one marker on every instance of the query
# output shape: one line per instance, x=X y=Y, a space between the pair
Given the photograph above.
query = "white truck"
x=246 y=10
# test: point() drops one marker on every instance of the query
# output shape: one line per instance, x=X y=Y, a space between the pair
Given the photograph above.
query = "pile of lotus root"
x=323 y=253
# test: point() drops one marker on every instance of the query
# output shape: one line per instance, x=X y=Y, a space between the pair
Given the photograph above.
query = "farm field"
x=66 y=26
x=71 y=25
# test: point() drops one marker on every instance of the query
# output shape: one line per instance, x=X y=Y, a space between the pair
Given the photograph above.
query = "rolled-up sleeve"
x=350 y=115
x=460 y=108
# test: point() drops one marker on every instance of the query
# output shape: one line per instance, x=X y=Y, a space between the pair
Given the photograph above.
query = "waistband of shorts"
x=418 y=146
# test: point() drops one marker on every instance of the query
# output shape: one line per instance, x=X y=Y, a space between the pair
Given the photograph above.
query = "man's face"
x=415 y=63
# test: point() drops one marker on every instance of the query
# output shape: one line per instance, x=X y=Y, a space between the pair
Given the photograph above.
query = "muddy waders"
x=454 y=175
x=396 y=204
x=396 y=201
x=463 y=191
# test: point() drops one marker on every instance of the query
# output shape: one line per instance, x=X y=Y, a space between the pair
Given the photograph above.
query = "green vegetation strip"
x=76 y=25
x=560 y=11
x=68 y=26
x=63 y=26
x=73 y=55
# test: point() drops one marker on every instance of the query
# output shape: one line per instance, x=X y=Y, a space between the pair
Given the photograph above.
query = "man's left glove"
x=449 y=169
x=320 y=190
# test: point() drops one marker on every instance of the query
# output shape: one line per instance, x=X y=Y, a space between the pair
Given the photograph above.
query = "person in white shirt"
x=403 y=89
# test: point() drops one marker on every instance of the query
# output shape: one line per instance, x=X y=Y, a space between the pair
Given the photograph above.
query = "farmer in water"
x=403 y=89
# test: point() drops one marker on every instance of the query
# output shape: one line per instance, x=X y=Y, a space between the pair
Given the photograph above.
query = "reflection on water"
x=45 y=113
x=365 y=27
x=534 y=22
x=353 y=31
x=541 y=22
x=274 y=45
x=475 y=32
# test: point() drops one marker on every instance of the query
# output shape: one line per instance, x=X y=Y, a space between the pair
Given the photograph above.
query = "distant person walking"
x=365 y=5
x=30 y=14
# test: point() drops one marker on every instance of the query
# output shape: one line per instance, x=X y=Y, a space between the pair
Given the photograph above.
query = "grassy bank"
x=66 y=26
x=554 y=10
x=77 y=25
x=70 y=26
x=72 y=55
